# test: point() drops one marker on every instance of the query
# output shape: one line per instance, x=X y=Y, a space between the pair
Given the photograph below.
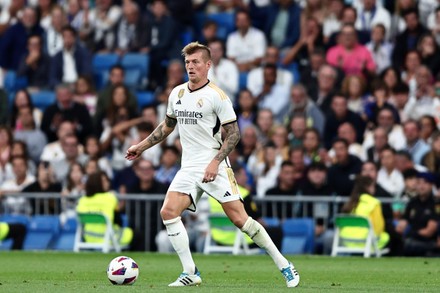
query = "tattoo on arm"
x=161 y=132
x=231 y=140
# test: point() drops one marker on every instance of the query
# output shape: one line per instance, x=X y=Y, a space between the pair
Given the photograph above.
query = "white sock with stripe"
x=179 y=239
x=259 y=235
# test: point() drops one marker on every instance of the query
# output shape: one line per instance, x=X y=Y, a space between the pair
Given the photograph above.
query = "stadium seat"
x=41 y=232
x=13 y=83
x=298 y=236
x=225 y=22
x=145 y=99
x=221 y=221
x=66 y=238
x=101 y=64
x=110 y=241
x=136 y=69
x=271 y=222
x=363 y=246
x=43 y=99
x=242 y=80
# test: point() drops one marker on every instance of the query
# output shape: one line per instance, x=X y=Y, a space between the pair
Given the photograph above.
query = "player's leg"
x=175 y=203
x=237 y=214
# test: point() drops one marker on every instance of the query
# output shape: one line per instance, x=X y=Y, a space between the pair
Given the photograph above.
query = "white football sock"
x=259 y=235
x=179 y=239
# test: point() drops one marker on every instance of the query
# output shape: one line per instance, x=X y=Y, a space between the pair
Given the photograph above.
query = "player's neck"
x=198 y=85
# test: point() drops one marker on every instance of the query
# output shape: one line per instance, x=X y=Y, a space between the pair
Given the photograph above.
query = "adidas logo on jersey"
x=179 y=102
x=227 y=194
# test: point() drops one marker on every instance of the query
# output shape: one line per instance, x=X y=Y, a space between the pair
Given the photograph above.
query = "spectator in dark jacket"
x=72 y=61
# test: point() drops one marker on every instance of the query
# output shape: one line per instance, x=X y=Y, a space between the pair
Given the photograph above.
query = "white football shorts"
x=189 y=181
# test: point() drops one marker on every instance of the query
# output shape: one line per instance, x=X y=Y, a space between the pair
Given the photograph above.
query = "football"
x=122 y=270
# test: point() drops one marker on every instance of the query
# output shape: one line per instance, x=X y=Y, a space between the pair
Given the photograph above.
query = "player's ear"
x=208 y=64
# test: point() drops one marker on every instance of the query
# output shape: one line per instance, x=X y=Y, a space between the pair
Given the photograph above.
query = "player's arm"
x=232 y=137
x=159 y=134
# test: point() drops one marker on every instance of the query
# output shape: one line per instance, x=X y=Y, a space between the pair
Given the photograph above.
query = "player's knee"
x=168 y=213
x=238 y=221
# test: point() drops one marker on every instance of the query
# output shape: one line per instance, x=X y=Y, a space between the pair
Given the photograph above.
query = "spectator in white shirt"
x=380 y=49
x=54 y=36
x=245 y=46
x=104 y=17
x=371 y=14
x=223 y=72
x=389 y=177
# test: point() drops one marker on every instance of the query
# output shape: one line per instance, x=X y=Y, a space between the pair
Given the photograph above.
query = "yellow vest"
x=4 y=230
x=105 y=203
x=220 y=236
x=369 y=207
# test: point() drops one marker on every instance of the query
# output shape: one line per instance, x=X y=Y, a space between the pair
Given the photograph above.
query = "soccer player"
x=200 y=108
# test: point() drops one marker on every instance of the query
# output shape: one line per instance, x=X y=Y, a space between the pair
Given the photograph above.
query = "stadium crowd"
x=324 y=91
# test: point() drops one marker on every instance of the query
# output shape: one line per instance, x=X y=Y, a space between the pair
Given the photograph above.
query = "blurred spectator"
x=4 y=111
x=400 y=99
x=145 y=184
x=408 y=72
x=69 y=145
x=391 y=77
x=323 y=93
x=279 y=138
x=249 y=143
x=5 y=151
x=73 y=8
x=349 y=55
x=370 y=14
x=132 y=32
x=45 y=183
x=283 y=23
x=430 y=53
x=20 y=149
x=332 y=22
x=116 y=78
x=434 y=24
x=414 y=144
x=34 y=138
x=386 y=120
x=169 y=165
x=428 y=127
x=209 y=32
x=340 y=114
x=313 y=8
x=342 y=173
x=432 y=158
x=175 y=75
x=312 y=146
x=273 y=96
x=53 y=37
x=35 y=65
x=53 y=151
x=409 y=38
x=246 y=45
x=354 y=88
x=309 y=73
x=11 y=14
x=379 y=99
x=297 y=127
x=93 y=151
x=419 y=223
x=44 y=9
x=223 y=72
x=381 y=50
x=246 y=109
x=311 y=38
x=103 y=18
x=389 y=177
x=255 y=78
x=14 y=39
x=22 y=99
x=85 y=94
x=164 y=43
x=410 y=177
x=15 y=204
x=265 y=122
x=297 y=158
x=265 y=166
x=73 y=60
x=380 y=138
x=404 y=162
x=74 y=185
x=284 y=185
x=64 y=109
x=83 y=23
x=348 y=132
x=153 y=154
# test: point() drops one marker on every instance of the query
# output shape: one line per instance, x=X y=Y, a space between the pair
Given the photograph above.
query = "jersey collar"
x=191 y=91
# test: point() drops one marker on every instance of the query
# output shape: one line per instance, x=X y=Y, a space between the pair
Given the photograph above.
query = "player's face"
x=197 y=67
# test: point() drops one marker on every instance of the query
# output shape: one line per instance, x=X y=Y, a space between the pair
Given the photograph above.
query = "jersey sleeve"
x=224 y=110
x=170 y=107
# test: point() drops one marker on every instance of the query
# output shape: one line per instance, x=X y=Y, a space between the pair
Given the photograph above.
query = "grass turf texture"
x=86 y=272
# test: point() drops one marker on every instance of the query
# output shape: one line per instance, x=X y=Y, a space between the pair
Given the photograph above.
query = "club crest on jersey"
x=181 y=92
x=199 y=103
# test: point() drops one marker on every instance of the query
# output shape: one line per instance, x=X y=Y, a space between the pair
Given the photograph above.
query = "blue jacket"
x=83 y=63
x=293 y=27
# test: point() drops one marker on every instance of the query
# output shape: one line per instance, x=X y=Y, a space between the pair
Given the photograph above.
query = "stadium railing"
x=136 y=205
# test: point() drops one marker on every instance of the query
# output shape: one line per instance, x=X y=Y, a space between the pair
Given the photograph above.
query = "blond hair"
x=194 y=47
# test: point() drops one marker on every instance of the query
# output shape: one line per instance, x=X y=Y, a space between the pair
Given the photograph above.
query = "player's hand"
x=133 y=153
x=210 y=172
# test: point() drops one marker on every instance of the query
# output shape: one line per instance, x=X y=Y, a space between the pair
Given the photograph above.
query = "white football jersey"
x=199 y=115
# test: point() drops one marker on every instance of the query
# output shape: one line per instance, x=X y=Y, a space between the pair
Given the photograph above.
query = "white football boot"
x=291 y=276
x=186 y=279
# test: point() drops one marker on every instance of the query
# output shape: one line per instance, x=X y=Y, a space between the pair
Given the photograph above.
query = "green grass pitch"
x=86 y=272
